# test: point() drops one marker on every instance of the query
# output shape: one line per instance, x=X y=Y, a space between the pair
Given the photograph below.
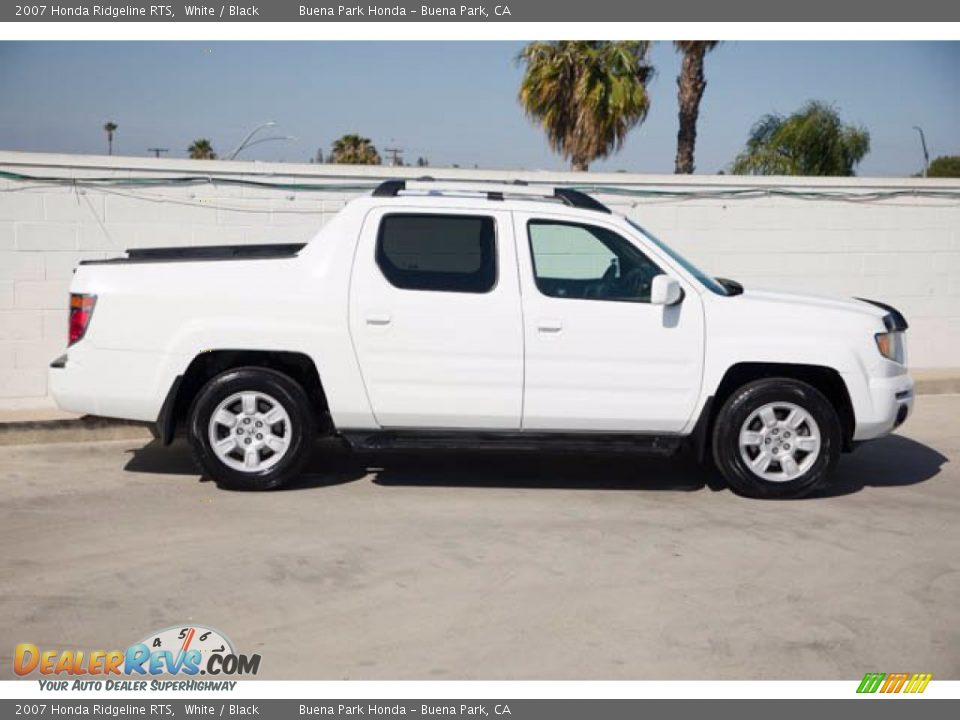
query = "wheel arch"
x=825 y=379
x=300 y=367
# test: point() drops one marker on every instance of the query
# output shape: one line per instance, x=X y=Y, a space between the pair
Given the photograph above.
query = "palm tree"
x=110 y=128
x=690 y=86
x=586 y=95
x=201 y=149
x=354 y=150
x=811 y=141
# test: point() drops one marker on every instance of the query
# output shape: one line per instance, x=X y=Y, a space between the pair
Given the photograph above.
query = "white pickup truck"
x=437 y=315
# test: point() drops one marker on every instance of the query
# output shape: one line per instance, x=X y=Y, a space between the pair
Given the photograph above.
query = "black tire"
x=301 y=432
x=741 y=405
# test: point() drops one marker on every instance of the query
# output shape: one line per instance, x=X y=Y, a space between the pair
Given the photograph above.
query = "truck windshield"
x=708 y=282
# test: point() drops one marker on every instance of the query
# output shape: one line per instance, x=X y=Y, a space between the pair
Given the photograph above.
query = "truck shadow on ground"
x=894 y=461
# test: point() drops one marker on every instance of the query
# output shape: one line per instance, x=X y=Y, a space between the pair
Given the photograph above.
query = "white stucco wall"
x=904 y=251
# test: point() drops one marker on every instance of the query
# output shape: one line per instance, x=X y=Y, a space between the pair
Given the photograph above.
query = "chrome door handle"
x=378 y=319
x=549 y=326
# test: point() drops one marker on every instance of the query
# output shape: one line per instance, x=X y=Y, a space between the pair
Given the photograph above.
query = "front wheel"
x=776 y=438
x=251 y=428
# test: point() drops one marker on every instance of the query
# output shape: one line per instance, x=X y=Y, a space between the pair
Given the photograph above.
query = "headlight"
x=891 y=346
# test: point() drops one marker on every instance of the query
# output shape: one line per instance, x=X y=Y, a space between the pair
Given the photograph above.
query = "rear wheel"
x=776 y=438
x=251 y=428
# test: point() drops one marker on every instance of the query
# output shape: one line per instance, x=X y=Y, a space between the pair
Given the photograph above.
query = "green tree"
x=201 y=149
x=811 y=141
x=945 y=166
x=110 y=128
x=690 y=86
x=586 y=95
x=354 y=150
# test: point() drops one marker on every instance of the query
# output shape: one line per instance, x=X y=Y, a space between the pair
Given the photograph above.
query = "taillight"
x=81 y=310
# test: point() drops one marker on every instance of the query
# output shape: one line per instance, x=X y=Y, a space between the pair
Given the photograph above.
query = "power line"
x=623 y=194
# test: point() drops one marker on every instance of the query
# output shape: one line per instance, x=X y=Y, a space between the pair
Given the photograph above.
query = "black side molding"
x=471 y=440
x=894 y=320
x=166 y=420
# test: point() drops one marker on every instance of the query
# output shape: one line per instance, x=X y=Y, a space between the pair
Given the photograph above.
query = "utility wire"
x=105 y=184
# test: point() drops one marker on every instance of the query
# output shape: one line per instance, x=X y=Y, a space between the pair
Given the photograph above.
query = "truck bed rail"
x=203 y=253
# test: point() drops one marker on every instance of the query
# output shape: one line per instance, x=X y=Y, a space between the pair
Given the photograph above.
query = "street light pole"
x=288 y=138
x=926 y=155
x=246 y=140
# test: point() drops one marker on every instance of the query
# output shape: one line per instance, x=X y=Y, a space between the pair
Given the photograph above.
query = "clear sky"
x=454 y=103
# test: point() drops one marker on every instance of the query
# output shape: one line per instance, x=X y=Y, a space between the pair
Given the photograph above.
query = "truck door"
x=435 y=318
x=599 y=356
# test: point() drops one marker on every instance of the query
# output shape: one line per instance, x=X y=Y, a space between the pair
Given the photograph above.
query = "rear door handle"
x=378 y=319
x=549 y=326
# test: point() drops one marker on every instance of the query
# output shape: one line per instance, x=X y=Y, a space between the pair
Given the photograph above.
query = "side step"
x=473 y=440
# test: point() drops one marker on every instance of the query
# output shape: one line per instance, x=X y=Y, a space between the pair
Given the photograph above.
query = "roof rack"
x=493 y=191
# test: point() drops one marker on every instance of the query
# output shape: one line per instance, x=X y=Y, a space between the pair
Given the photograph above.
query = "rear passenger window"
x=451 y=253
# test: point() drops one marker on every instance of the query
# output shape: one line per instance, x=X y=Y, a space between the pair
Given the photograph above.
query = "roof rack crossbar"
x=578 y=199
x=493 y=191
x=389 y=188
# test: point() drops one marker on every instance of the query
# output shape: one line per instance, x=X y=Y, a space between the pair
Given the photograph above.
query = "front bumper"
x=889 y=404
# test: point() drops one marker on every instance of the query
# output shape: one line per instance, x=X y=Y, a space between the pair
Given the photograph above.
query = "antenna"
x=156 y=151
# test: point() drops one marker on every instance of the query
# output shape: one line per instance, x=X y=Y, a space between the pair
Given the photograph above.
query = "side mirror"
x=665 y=290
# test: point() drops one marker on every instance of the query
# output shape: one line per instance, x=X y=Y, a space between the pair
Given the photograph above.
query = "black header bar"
x=482 y=11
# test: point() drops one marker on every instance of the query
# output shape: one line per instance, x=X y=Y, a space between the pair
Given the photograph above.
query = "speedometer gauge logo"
x=184 y=638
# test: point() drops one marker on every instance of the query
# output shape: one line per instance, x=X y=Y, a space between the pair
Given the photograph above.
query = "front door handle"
x=549 y=326
x=378 y=319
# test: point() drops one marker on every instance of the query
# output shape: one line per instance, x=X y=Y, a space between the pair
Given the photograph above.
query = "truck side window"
x=450 y=253
x=588 y=263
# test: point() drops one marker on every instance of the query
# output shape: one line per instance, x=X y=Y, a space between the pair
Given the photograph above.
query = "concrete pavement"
x=504 y=567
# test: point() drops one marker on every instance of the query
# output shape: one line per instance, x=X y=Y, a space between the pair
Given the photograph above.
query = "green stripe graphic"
x=871 y=682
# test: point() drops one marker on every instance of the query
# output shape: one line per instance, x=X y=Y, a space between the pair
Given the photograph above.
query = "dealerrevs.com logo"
x=179 y=650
